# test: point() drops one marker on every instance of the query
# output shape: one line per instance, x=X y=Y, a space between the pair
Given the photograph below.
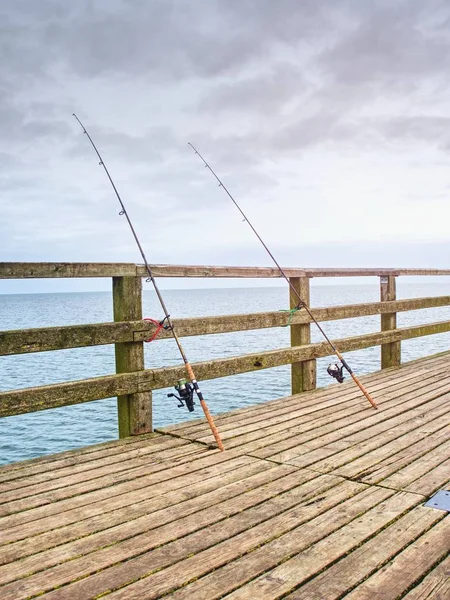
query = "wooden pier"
x=316 y=497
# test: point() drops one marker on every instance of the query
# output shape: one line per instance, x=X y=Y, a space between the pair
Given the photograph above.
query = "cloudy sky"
x=328 y=120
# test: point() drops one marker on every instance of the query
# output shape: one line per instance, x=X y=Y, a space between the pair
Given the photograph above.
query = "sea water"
x=49 y=431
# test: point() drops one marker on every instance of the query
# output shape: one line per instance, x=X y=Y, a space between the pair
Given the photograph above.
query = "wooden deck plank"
x=172 y=553
x=276 y=548
x=292 y=415
x=316 y=496
x=342 y=454
x=44 y=518
x=166 y=568
x=401 y=450
x=320 y=435
x=391 y=473
x=415 y=370
x=73 y=464
x=430 y=482
x=334 y=392
x=328 y=425
x=82 y=490
x=255 y=487
x=293 y=571
x=435 y=586
x=368 y=558
x=76 y=456
x=332 y=397
x=191 y=510
x=409 y=566
x=72 y=483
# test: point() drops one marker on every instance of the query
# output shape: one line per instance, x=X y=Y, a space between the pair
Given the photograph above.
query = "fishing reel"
x=336 y=371
x=186 y=394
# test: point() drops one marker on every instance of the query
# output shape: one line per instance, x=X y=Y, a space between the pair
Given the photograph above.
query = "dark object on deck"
x=336 y=371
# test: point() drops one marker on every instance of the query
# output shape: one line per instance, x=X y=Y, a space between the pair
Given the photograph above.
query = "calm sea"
x=32 y=435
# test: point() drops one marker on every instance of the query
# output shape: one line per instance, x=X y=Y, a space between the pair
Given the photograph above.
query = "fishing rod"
x=333 y=370
x=185 y=389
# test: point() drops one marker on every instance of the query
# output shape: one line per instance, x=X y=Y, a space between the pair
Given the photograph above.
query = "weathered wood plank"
x=273 y=272
x=18 y=270
x=234 y=496
x=292 y=572
x=134 y=410
x=191 y=512
x=401 y=450
x=434 y=480
x=409 y=566
x=302 y=448
x=303 y=374
x=45 y=463
x=220 y=548
x=435 y=586
x=404 y=476
x=42 y=495
x=327 y=424
x=416 y=370
x=418 y=393
x=280 y=541
x=388 y=466
x=34 y=270
x=65 y=483
x=50 y=472
x=76 y=336
x=390 y=353
x=159 y=478
x=362 y=562
x=177 y=512
x=65 y=394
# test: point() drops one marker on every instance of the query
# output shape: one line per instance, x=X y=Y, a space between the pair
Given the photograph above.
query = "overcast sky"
x=328 y=120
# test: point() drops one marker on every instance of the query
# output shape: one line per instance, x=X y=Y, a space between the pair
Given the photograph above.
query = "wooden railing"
x=133 y=384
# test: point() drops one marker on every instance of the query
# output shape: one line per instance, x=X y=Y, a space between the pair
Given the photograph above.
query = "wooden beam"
x=134 y=409
x=390 y=353
x=272 y=272
x=51 y=270
x=76 y=392
x=303 y=374
x=15 y=270
x=23 y=341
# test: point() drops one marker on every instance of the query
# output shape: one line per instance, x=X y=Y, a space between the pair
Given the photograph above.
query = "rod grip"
x=212 y=425
x=364 y=391
x=205 y=408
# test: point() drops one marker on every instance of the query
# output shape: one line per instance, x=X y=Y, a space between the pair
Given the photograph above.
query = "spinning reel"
x=336 y=371
x=186 y=394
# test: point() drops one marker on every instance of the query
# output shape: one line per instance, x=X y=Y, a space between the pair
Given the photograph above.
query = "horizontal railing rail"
x=133 y=383
x=87 y=390
x=22 y=341
x=13 y=270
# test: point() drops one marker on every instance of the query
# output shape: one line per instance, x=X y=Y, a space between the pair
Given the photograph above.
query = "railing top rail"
x=33 y=270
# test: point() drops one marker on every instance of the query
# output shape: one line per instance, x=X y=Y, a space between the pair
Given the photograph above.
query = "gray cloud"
x=398 y=44
x=288 y=100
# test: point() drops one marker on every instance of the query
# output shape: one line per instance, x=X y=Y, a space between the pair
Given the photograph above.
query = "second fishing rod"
x=333 y=370
x=185 y=390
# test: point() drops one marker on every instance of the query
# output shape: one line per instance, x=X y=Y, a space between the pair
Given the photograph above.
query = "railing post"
x=134 y=410
x=303 y=374
x=390 y=353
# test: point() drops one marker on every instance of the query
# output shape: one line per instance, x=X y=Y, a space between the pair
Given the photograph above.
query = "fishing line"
x=185 y=389
x=333 y=370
